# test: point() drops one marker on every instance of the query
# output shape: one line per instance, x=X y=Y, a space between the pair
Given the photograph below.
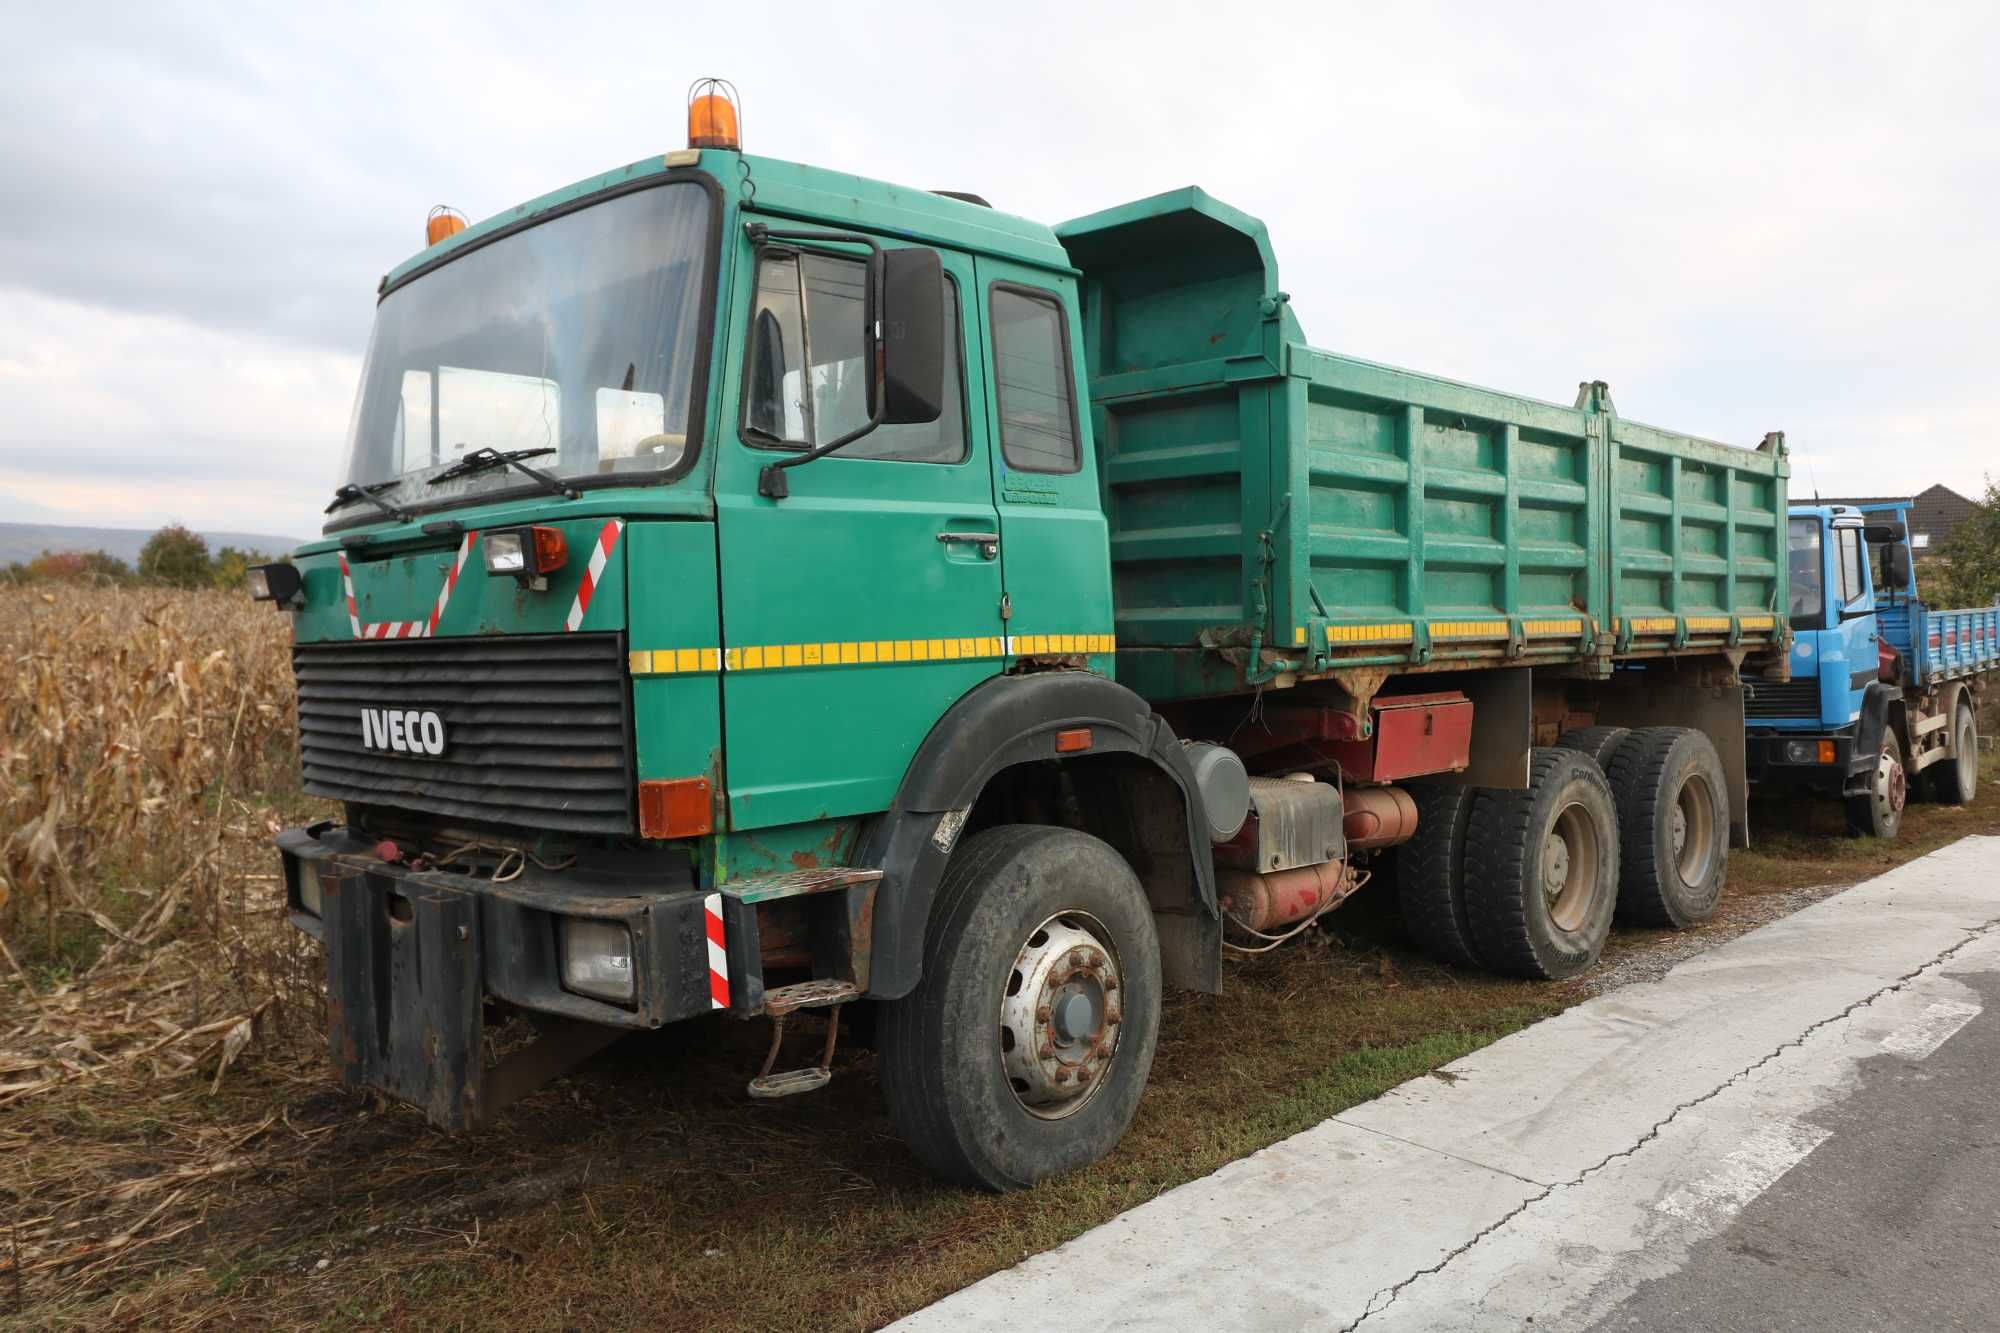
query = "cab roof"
x=781 y=189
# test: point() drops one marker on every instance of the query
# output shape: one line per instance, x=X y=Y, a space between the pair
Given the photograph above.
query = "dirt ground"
x=216 y=1180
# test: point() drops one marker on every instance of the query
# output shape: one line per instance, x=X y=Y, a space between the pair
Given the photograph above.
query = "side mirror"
x=908 y=335
x=1896 y=566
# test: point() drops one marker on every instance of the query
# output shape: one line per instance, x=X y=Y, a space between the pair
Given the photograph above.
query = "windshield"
x=577 y=335
x=1808 y=604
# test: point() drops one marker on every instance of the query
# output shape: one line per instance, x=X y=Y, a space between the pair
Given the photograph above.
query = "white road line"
x=1766 y=1155
x=1938 y=1023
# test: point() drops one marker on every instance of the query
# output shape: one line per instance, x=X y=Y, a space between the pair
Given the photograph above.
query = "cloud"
x=1744 y=218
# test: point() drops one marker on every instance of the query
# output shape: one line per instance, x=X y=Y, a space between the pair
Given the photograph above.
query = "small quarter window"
x=1853 y=578
x=1031 y=372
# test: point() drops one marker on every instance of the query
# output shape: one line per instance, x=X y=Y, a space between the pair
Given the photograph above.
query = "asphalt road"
x=1892 y=1222
x=1799 y=1129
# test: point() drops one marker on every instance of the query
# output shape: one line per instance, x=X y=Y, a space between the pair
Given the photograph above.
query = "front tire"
x=1878 y=811
x=1023 y=1051
x=1541 y=868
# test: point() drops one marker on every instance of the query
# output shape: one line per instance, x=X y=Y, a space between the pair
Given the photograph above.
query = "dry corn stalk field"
x=148 y=744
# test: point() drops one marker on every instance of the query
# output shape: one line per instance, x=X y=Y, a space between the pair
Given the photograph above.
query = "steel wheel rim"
x=1569 y=867
x=1695 y=840
x=1061 y=1012
x=1889 y=791
x=1968 y=754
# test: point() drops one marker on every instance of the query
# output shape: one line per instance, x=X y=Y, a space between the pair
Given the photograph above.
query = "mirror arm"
x=771 y=481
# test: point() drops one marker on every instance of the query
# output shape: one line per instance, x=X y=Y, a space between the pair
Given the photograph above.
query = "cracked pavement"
x=1615 y=1166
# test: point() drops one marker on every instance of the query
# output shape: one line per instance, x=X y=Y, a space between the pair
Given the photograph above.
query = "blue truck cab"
x=1882 y=700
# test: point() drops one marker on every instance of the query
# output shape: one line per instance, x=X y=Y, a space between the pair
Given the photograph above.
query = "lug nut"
x=1111 y=983
x=1083 y=1076
x=1062 y=1076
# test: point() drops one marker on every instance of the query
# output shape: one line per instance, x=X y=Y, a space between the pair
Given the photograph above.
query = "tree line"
x=173 y=557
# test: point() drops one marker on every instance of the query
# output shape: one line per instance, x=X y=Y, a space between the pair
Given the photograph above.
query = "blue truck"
x=1882 y=702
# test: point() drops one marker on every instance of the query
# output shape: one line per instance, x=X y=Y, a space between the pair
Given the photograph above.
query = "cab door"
x=859 y=608
x=1054 y=547
x=1857 y=625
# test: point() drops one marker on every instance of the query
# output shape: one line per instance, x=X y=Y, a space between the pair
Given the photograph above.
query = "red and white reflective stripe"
x=450 y=582
x=718 y=956
x=404 y=629
x=353 y=612
x=600 y=554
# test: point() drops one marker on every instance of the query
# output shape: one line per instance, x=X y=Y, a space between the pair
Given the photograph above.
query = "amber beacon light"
x=712 y=117
x=442 y=223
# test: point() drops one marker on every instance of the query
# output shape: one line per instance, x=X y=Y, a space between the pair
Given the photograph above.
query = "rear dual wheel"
x=1541 y=868
x=1673 y=826
x=1955 y=781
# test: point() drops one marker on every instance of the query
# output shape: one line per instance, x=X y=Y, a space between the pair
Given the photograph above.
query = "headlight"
x=505 y=553
x=310 y=898
x=278 y=583
x=597 y=958
x=1798 y=752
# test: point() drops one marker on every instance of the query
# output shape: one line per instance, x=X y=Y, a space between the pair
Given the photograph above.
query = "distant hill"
x=25 y=541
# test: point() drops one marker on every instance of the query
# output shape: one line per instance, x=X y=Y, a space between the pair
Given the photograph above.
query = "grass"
x=181 y=1187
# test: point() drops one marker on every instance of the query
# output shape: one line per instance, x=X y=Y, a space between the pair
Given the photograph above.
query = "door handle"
x=987 y=542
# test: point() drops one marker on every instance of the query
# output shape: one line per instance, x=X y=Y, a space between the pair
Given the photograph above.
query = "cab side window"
x=805 y=379
x=1853 y=572
x=1031 y=373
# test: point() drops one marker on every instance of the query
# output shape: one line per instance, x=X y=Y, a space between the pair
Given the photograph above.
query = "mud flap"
x=403 y=993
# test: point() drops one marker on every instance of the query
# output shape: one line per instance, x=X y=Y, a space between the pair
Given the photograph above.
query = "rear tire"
x=1673 y=827
x=1023 y=1051
x=1878 y=812
x=1955 y=781
x=1541 y=868
x=1600 y=743
x=1430 y=875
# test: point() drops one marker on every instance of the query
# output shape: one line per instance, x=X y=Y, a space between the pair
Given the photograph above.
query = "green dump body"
x=1279 y=510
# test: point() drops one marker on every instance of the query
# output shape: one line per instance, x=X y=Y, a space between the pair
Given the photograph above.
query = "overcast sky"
x=1743 y=219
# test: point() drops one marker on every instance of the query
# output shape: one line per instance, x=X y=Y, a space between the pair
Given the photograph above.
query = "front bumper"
x=413 y=956
x=1771 y=769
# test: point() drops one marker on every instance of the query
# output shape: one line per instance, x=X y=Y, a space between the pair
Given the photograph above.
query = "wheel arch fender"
x=1881 y=710
x=1001 y=724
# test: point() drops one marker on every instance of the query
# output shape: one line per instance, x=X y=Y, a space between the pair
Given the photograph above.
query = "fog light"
x=1799 y=752
x=310 y=898
x=506 y=553
x=597 y=958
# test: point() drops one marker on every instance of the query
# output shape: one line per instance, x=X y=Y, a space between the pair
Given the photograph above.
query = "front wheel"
x=1878 y=811
x=1023 y=1051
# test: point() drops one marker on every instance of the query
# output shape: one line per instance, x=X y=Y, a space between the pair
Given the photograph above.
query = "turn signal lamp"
x=526 y=553
x=674 y=808
x=712 y=118
x=442 y=223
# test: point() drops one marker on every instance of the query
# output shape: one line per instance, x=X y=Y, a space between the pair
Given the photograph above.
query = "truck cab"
x=1867 y=708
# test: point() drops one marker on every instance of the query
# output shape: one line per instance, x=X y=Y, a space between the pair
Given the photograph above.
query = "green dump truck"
x=756 y=589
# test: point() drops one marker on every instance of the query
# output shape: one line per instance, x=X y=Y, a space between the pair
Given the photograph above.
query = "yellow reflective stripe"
x=1709 y=622
x=1370 y=633
x=1552 y=627
x=1468 y=629
x=862 y=652
x=1651 y=624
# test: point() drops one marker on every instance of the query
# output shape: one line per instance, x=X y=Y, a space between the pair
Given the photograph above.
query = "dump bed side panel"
x=1437 y=521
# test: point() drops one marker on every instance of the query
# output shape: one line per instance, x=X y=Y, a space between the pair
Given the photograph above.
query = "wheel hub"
x=1059 y=1015
x=1891 y=786
x=1555 y=865
x=1680 y=831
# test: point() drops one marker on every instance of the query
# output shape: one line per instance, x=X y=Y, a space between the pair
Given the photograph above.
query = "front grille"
x=536 y=728
x=1778 y=699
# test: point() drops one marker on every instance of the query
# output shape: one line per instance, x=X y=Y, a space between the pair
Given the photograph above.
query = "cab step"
x=781 y=1003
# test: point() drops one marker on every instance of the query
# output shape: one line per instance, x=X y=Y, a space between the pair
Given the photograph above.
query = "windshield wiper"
x=486 y=458
x=351 y=494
